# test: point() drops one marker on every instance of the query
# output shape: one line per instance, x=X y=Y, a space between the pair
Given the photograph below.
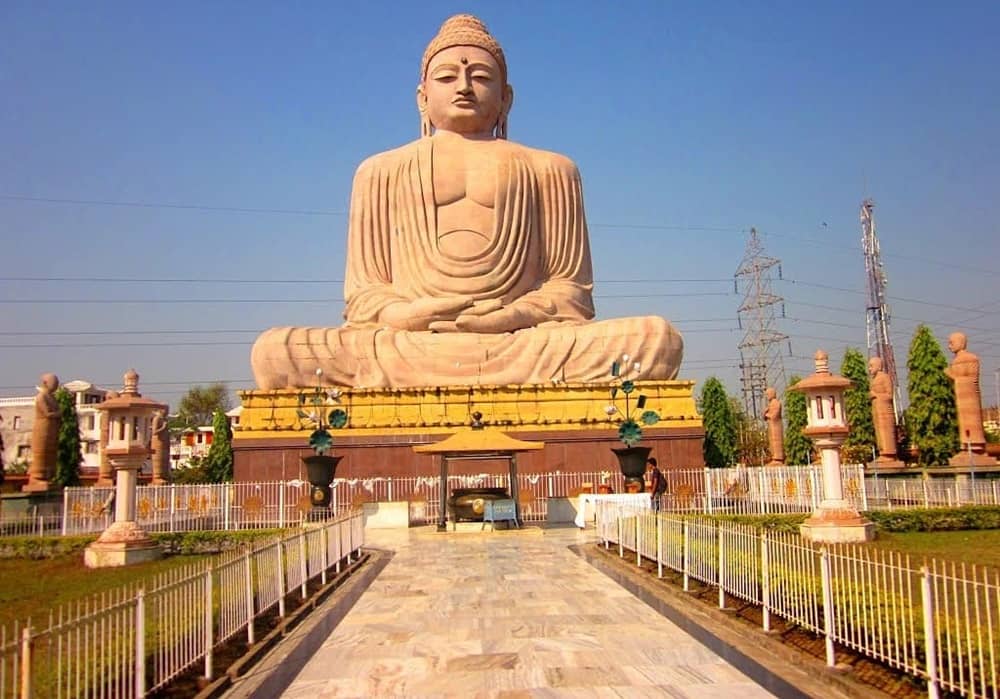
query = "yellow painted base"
x=273 y=414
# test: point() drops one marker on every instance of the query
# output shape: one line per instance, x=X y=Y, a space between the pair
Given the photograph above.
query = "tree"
x=199 y=405
x=194 y=472
x=719 y=448
x=931 y=419
x=68 y=451
x=751 y=436
x=858 y=406
x=798 y=447
x=219 y=462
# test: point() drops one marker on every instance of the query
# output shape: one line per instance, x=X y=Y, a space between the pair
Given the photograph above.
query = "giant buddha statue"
x=468 y=260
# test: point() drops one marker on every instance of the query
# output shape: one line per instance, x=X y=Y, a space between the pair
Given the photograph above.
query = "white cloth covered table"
x=586 y=510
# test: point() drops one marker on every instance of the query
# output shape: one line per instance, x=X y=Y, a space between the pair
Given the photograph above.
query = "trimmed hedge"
x=937 y=520
x=970 y=517
x=203 y=542
x=179 y=543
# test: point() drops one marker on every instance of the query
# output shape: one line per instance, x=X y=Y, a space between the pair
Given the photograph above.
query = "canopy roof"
x=478 y=441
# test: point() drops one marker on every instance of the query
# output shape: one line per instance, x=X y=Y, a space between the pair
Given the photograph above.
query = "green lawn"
x=980 y=547
x=32 y=587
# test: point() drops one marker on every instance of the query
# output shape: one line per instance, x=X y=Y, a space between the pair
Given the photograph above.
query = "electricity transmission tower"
x=761 y=361
x=877 y=312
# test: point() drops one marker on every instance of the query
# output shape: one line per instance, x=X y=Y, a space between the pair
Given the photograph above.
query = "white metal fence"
x=128 y=642
x=938 y=622
x=770 y=490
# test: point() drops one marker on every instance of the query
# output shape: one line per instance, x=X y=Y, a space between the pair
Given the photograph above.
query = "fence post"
x=762 y=489
x=621 y=537
x=248 y=578
x=281 y=506
x=860 y=475
x=65 y=512
x=389 y=487
x=324 y=537
x=722 y=569
x=303 y=552
x=930 y=634
x=638 y=538
x=708 y=492
x=281 y=578
x=140 y=643
x=659 y=545
x=26 y=662
x=173 y=504
x=226 y=504
x=814 y=495
x=765 y=580
x=550 y=485
x=209 y=620
x=824 y=564
x=687 y=555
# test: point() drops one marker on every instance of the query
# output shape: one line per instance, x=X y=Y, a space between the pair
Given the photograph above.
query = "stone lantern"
x=835 y=520
x=129 y=419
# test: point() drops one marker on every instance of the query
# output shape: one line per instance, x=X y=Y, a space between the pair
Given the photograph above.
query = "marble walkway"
x=506 y=614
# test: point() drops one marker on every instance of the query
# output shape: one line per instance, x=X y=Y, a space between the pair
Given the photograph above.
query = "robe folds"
x=538 y=255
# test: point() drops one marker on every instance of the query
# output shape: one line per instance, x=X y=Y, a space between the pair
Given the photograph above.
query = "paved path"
x=506 y=614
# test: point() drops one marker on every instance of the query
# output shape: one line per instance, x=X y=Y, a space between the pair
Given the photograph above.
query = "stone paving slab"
x=506 y=614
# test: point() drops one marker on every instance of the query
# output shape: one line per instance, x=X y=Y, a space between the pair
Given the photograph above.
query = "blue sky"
x=185 y=143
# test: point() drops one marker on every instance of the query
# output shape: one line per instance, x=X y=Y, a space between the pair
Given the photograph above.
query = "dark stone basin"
x=468 y=503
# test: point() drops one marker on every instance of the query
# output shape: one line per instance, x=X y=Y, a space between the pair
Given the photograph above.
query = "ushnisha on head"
x=957 y=342
x=463 y=82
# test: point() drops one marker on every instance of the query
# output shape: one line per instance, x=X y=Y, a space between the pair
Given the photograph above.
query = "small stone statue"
x=44 y=435
x=883 y=414
x=964 y=372
x=775 y=428
x=159 y=444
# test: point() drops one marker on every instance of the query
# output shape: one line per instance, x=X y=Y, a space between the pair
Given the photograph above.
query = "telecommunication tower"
x=877 y=312
x=761 y=361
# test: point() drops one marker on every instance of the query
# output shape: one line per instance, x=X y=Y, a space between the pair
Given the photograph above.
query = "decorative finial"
x=477 y=420
x=130 y=383
x=822 y=362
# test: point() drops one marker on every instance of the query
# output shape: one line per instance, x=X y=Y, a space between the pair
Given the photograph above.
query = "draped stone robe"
x=538 y=256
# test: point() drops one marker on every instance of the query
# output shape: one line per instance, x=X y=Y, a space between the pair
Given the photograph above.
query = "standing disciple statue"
x=468 y=260
x=44 y=435
x=964 y=372
x=775 y=428
x=159 y=445
x=883 y=413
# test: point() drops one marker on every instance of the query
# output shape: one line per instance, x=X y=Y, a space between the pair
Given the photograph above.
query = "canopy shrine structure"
x=478 y=443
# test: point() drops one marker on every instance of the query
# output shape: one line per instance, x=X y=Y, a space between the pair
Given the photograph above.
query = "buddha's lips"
x=463 y=102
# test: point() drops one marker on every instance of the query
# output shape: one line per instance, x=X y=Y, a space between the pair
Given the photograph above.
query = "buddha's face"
x=874 y=366
x=463 y=91
x=956 y=342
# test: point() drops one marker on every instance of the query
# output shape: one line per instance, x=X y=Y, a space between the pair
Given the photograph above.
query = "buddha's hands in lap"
x=424 y=313
x=491 y=316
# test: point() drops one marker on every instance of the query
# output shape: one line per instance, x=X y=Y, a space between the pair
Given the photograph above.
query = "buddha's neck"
x=443 y=135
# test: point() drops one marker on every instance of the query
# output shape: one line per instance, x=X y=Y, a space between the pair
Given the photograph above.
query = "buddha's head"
x=463 y=81
x=957 y=342
x=874 y=366
x=770 y=393
x=50 y=382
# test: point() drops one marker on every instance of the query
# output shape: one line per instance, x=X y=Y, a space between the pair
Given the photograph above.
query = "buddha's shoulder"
x=542 y=159
x=387 y=159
